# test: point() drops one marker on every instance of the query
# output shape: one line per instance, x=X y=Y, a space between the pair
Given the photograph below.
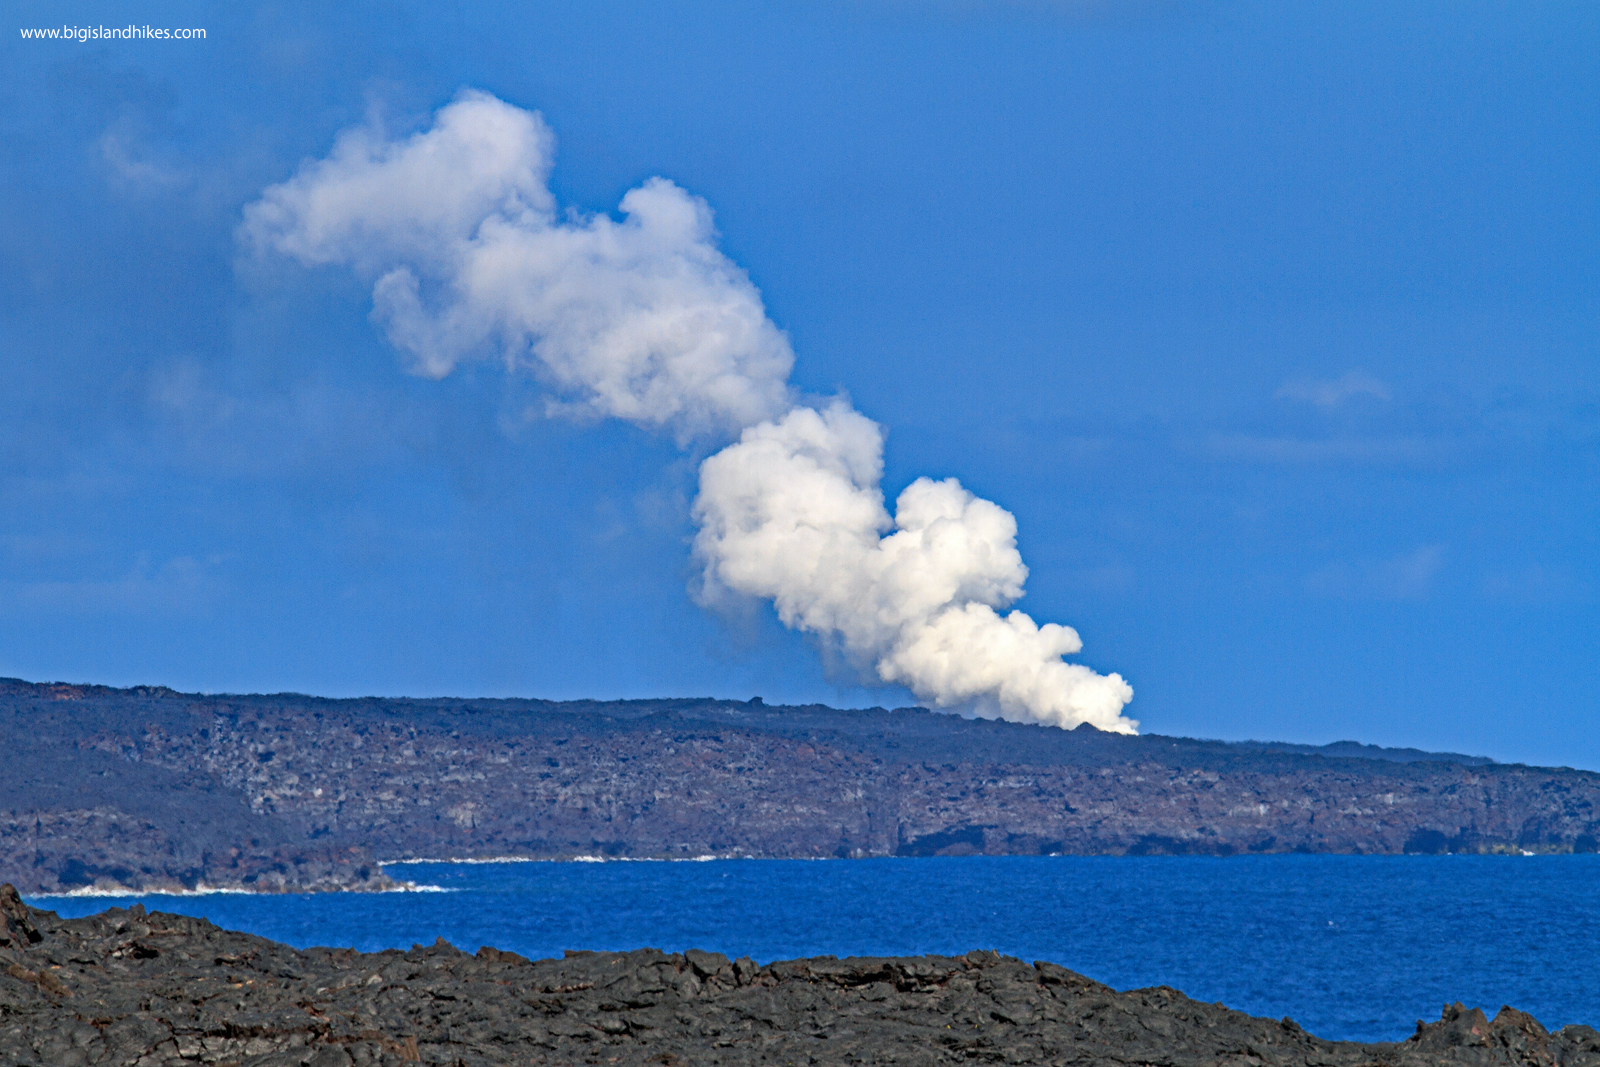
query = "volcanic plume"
x=645 y=320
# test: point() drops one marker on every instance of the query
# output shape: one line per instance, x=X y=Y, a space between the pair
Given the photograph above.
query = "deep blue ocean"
x=1348 y=946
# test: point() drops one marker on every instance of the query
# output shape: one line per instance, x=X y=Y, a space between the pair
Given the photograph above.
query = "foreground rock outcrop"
x=150 y=788
x=125 y=987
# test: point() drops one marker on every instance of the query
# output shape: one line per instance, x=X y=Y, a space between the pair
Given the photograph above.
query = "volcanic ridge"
x=151 y=789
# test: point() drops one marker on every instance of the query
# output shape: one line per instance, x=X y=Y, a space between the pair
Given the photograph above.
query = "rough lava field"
x=129 y=987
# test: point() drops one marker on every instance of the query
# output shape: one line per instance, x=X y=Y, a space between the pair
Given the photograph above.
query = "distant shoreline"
x=125 y=893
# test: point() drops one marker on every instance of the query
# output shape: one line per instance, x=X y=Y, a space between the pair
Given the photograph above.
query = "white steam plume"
x=646 y=320
x=793 y=512
x=643 y=320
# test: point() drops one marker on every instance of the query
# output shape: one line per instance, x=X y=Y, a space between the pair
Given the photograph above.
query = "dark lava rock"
x=127 y=987
x=75 y=817
x=156 y=790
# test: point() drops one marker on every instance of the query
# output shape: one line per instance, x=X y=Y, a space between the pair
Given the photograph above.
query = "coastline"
x=471 y=860
x=387 y=885
x=125 y=893
x=161 y=987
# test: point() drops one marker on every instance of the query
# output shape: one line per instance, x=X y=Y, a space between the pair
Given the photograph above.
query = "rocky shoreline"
x=128 y=987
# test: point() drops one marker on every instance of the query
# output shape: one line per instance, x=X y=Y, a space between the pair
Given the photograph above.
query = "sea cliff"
x=152 y=789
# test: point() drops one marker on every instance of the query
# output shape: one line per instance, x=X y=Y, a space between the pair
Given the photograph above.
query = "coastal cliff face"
x=685 y=788
x=134 y=786
x=125 y=987
x=73 y=816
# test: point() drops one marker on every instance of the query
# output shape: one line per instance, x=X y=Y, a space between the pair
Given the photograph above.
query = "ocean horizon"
x=1350 y=947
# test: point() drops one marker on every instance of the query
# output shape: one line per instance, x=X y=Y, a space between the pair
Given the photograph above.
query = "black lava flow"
x=128 y=987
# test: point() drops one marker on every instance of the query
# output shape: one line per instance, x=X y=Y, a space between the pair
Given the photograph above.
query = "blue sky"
x=1275 y=328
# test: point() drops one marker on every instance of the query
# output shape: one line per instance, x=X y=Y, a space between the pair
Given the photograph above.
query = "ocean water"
x=1350 y=947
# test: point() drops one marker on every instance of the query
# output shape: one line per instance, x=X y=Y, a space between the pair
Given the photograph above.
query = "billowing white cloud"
x=646 y=320
x=642 y=319
x=793 y=513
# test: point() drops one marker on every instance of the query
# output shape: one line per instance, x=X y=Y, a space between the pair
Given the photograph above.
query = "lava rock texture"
x=147 y=788
x=125 y=987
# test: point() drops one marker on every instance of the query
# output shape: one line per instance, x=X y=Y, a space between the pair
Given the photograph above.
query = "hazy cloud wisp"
x=646 y=320
x=1331 y=393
